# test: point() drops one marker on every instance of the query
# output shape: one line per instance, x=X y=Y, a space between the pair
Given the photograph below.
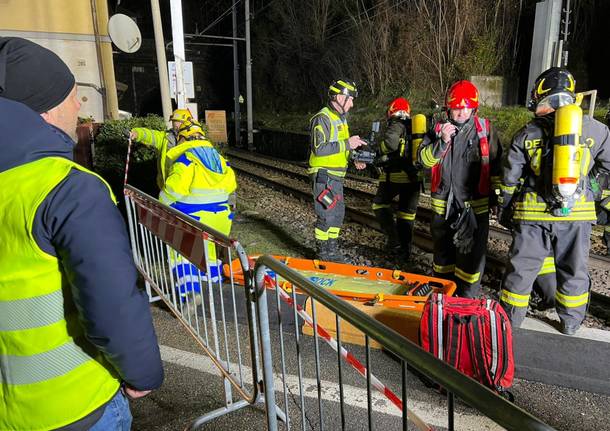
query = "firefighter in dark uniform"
x=331 y=147
x=464 y=156
x=399 y=177
x=554 y=209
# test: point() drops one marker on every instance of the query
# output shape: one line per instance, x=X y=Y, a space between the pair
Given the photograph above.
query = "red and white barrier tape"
x=127 y=162
x=349 y=357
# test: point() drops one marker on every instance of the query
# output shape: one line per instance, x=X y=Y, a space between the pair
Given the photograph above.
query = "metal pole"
x=179 y=56
x=135 y=95
x=236 y=110
x=166 y=100
x=249 y=77
x=566 y=32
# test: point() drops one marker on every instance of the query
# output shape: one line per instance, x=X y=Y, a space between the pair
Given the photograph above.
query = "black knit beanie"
x=32 y=74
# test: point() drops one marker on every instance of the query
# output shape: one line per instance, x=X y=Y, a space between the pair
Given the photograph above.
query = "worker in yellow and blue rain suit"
x=464 y=156
x=199 y=183
x=162 y=141
x=331 y=150
x=554 y=208
x=399 y=177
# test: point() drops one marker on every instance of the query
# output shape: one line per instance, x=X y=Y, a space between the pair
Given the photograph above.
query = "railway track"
x=359 y=214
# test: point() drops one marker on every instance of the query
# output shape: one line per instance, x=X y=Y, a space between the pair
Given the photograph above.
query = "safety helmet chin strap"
x=342 y=105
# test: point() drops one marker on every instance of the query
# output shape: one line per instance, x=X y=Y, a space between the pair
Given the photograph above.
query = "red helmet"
x=462 y=94
x=399 y=107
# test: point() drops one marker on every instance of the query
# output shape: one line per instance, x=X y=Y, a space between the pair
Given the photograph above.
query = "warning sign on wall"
x=217 y=125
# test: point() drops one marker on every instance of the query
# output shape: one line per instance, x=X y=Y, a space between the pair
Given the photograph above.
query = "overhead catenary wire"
x=220 y=18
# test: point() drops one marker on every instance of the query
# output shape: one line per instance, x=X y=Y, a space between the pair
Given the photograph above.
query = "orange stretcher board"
x=372 y=286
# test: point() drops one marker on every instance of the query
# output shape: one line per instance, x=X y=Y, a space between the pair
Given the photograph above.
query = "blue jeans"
x=116 y=417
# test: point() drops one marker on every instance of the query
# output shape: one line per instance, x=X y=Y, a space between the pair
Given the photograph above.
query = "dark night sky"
x=214 y=65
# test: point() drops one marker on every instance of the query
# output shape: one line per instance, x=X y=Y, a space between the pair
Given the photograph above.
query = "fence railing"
x=304 y=382
x=288 y=312
x=175 y=255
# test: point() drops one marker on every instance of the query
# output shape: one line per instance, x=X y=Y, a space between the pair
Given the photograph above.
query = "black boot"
x=335 y=253
x=405 y=235
x=386 y=220
x=323 y=250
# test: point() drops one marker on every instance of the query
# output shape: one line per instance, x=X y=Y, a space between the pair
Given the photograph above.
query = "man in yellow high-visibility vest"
x=331 y=147
x=74 y=327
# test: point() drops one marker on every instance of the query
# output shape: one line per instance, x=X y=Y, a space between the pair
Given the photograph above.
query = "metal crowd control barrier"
x=172 y=252
x=326 y=384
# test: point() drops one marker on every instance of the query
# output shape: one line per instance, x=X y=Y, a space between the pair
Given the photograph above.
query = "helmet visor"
x=556 y=101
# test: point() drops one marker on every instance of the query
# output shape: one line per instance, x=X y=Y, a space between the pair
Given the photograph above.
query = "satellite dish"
x=124 y=33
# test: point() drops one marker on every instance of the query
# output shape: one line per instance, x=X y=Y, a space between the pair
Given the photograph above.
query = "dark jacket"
x=396 y=144
x=80 y=225
x=461 y=165
x=529 y=160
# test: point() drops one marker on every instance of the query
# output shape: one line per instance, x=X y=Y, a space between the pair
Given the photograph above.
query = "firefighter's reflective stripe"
x=397 y=177
x=496 y=182
x=507 y=189
x=480 y=206
x=605 y=203
x=514 y=299
x=443 y=269
x=439 y=206
x=548 y=266
x=17 y=314
x=466 y=276
x=570 y=301
x=530 y=208
x=379 y=206
x=335 y=164
x=427 y=157
x=333 y=232
x=405 y=215
x=321 y=235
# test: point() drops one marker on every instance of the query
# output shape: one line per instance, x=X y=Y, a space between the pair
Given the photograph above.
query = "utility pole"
x=166 y=100
x=178 y=46
x=562 y=54
x=236 y=108
x=249 y=77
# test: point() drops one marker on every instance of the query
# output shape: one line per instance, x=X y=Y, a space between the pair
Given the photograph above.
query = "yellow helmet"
x=189 y=129
x=181 y=115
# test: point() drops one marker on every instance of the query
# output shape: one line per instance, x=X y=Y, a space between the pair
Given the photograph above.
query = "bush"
x=111 y=153
x=506 y=121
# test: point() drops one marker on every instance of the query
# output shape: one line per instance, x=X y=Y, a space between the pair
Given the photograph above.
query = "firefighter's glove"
x=464 y=227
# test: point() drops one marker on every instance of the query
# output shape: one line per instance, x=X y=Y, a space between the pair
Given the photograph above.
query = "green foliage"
x=506 y=120
x=111 y=152
x=482 y=57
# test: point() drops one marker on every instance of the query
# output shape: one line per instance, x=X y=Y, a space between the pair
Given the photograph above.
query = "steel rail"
x=423 y=239
x=424 y=214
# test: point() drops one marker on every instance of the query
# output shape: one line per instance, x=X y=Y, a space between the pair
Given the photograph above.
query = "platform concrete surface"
x=193 y=387
x=579 y=361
